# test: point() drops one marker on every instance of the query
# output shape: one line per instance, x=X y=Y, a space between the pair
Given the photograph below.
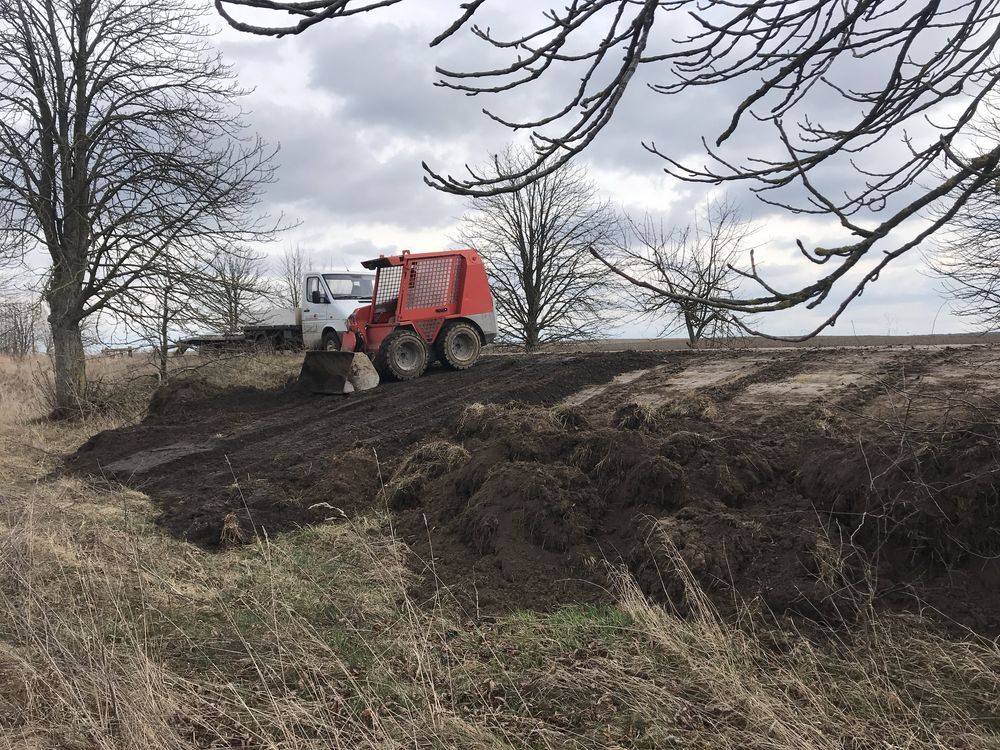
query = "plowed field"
x=809 y=482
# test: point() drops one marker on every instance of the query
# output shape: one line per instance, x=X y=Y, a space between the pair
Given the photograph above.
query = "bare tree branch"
x=836 y=85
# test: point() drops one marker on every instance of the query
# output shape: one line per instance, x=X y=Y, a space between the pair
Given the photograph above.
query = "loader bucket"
x=337 y=372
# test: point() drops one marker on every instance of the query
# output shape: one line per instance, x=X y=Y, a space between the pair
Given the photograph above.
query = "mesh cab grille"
x=433 y=282
x=388 y=285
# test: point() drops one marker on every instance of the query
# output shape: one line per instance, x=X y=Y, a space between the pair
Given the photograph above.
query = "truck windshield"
x=343 y=286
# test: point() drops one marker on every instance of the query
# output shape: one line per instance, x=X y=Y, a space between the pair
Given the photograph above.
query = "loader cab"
x=328 y=298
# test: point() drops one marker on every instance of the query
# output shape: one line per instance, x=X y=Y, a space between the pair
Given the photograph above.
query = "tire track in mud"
x=426 y=402
x=904 y=368
x=780 y=367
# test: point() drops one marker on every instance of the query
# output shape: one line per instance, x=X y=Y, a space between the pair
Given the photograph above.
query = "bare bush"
x=21 y=324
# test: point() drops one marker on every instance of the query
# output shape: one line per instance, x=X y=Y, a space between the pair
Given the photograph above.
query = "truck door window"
x=313 y=292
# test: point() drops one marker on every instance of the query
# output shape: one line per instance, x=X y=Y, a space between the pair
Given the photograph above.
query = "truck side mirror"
x=315 y=298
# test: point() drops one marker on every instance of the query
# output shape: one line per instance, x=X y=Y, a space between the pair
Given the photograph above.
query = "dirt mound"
x=274 y=460
x=420 y=466
x=923 y=507
x=176 y=399
x=776 y=513
x=329 y=487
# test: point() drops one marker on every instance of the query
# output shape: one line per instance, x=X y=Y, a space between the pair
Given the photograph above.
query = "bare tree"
x=967 y=258
x=158 y=308
x=967 y=254
x=20 y=327
x=292 y=266
x=119 y=141
x=671 y=271
x=536 y=242
x=233 y=292
x=971 y=271
x=835 y=87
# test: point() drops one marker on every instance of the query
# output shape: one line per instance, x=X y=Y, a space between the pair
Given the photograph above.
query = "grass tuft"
x=420 y=466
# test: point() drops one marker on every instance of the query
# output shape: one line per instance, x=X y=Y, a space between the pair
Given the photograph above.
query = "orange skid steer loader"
x=424 y=307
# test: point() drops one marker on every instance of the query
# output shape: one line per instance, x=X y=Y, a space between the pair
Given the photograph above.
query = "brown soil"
x=278 y=459
x=812 y=483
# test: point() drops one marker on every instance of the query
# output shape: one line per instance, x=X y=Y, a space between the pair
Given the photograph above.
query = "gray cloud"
x=354 y=108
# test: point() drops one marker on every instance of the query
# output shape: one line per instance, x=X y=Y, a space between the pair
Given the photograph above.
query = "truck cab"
x=328 y=299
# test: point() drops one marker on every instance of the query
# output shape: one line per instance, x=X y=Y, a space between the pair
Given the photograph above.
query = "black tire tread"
x=384 y=363
x=441 y=344
x=327 y=335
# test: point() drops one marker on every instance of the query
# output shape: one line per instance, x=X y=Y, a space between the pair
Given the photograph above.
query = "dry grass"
x=120 y=387
x=484 y=420
x=113 y=635
x=424 y=463
x=25 y=384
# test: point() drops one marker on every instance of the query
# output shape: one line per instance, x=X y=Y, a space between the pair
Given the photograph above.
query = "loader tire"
x=458 y=345
x=402 y=355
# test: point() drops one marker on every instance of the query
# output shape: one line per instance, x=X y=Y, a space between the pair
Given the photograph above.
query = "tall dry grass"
x=26 y=390
x=20 y=397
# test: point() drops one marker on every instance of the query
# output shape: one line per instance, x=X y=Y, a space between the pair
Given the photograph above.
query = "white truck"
x=328 y=298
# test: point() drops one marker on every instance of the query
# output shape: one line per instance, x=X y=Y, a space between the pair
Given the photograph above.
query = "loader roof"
x=383 y=261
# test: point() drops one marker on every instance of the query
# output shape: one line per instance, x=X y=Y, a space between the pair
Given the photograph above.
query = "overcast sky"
x=353 y=107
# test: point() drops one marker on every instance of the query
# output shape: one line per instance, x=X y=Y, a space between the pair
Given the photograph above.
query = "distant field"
x=670 y=344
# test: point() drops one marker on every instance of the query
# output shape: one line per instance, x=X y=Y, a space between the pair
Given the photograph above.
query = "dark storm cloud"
x=384 y=77
x=380 y=78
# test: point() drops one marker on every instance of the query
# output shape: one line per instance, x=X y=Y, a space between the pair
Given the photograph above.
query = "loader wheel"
x=458 y=346
x=403 y=355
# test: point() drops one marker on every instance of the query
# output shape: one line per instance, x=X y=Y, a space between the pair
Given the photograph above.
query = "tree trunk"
x=70 y=367
x=530 y=337
x=162 y=362
x=692 y=331
x=163 y=344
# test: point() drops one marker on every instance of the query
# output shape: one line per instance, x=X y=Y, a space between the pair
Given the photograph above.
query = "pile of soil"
x=279 y=460
x=781 y=514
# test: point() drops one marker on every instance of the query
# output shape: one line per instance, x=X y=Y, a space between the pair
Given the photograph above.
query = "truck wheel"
x=458 y=345
x=331 y=342
x=402 y=355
